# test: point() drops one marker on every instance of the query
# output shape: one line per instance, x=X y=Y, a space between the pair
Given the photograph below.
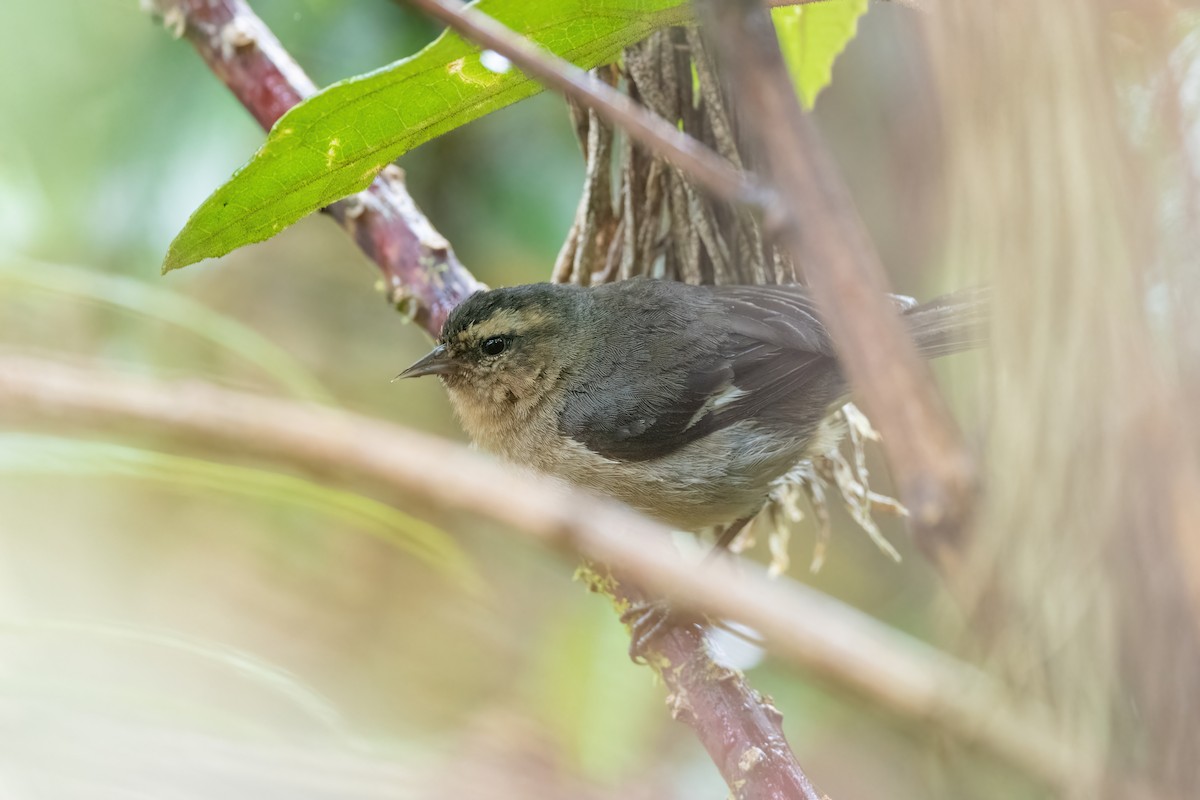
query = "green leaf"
x=28 y=454
x=336 y=142
x=160 y=303
x=812 y=36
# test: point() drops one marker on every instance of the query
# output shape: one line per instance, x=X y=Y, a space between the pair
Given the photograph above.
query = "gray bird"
x=685 y=402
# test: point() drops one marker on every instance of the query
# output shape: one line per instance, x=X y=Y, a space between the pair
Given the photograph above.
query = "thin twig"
x=827 y=238
x=835 y=643
x=422 y=276
x=703 y=165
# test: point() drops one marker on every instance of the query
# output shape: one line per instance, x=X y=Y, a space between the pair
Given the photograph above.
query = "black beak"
x=437 y=362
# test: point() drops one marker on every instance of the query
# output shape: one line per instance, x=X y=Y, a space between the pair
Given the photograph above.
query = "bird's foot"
x=647 y=622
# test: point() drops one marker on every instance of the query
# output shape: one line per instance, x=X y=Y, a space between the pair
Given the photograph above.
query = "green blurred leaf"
x=336 y=142
x=604 y=710
x=811 y=37
x=255 y=670
x=158 y=302
x=48 y=455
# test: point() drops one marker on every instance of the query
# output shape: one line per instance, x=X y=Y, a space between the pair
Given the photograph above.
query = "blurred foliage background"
x=146 y=611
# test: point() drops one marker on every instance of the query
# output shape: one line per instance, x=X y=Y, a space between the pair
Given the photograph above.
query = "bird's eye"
x=493 y=346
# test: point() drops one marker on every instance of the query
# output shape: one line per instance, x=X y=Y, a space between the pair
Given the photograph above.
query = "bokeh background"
x=164 y=636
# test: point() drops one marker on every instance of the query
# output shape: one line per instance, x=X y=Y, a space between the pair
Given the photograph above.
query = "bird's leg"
x=727 y=536
x=648 y=620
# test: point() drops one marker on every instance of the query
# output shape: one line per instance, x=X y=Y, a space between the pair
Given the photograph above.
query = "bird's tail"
x=951 y=323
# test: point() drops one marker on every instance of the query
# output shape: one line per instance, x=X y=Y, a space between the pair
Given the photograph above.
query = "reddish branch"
x=424 y=278
x=826 y=236
x=741 y=730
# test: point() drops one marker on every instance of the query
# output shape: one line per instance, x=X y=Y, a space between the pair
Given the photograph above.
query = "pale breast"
x=714 y=480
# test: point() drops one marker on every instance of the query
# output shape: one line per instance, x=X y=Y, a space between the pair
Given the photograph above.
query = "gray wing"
x=696 y=359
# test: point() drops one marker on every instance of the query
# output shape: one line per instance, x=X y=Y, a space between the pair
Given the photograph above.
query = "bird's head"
x=504 y=348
